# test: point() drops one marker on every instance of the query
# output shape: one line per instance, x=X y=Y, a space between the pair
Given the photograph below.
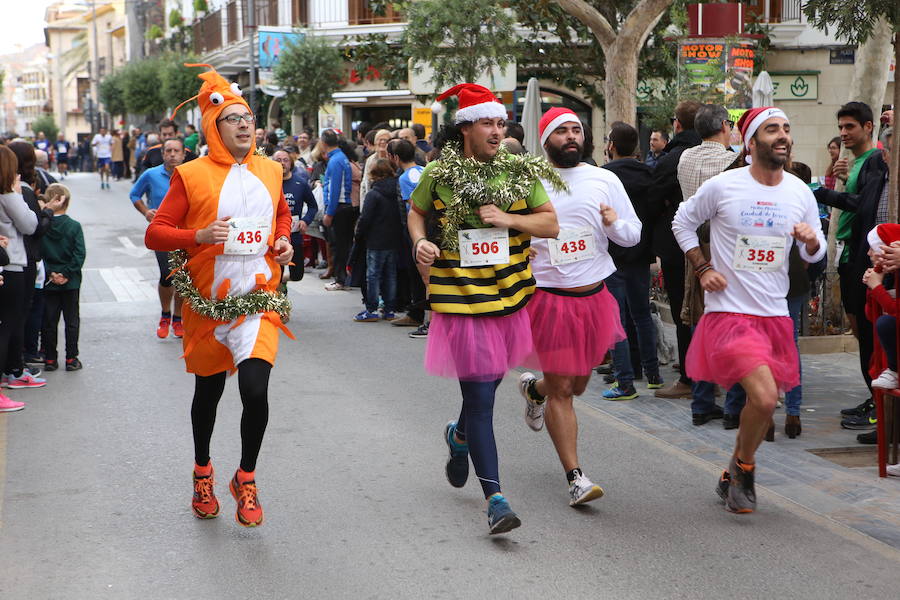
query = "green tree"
x=47 y=124
x=460 y=39
x=309 y=71
x=141 y=88
x=112 y=94
x=178 y=82
x=857 y=22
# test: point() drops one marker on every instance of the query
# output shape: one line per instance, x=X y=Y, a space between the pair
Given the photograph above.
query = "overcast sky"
x=27 y=27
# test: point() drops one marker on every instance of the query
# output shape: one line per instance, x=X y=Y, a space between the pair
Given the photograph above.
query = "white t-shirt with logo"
x=103 y=145
x=750 y=238
x=583 y=238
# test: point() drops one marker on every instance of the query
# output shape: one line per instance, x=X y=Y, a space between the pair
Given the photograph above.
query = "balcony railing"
x=208 y=33
x=362 y=14
x=265 y=12
x=776 y=11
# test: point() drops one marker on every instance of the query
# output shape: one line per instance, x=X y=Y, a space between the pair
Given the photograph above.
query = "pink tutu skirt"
x=726 y=347
x=572 y=333
x=476 y=348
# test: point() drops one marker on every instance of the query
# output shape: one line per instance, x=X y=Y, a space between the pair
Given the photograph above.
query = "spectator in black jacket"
x=665 y=197
x=630 y=284
x=380 y=230
x=23 y=337
x=870 y=205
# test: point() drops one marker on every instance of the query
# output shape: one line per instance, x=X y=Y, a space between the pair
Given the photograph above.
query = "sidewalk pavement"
x=853 y=496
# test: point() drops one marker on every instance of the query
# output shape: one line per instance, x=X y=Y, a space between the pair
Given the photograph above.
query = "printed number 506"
x=761 y=255
x=485 y=248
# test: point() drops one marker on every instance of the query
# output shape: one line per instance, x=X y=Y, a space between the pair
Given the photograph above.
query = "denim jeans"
x=887 y=335
x=630 y=286
x=381 y=279
x=793 y=398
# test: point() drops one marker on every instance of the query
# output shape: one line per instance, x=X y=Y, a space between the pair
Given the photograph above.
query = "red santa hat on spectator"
x=883 y=235
x=553 y=118
x=753 y=118
x=475 y=102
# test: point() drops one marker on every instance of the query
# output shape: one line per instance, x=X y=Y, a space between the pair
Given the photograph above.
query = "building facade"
x=25 y=94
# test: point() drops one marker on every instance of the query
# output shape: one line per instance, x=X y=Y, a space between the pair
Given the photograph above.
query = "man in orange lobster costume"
x=226 y=219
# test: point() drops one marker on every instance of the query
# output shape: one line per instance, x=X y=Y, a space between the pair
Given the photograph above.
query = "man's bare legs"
x=169 y=300
x=762 y=394
x=559 y=414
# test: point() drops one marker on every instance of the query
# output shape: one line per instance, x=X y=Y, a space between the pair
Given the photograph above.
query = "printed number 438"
x=573 y=246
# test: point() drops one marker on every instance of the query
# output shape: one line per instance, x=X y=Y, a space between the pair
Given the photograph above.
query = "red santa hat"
x=475 y=102
x=553 y=118
x=753 y=118
x=883 y=235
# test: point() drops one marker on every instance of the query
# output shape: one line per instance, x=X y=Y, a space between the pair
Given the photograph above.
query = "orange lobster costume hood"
x=247 y=194
x=215 y=94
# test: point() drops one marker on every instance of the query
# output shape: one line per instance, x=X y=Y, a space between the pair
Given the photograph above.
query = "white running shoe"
x=886 y=381
x=893 y=470
x=583 y=490
x=534 y=411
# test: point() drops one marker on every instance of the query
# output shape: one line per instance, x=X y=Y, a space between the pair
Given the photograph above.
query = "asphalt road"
x=95 y=478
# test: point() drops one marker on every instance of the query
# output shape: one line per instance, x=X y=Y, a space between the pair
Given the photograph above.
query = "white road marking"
x=129 y=248
x=127 y=284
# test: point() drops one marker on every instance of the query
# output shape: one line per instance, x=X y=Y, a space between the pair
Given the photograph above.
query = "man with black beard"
x=574 y=318
x=746 y=335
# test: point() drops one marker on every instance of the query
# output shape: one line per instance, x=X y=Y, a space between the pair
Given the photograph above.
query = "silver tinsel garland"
x=228 y=308
x=475 y=183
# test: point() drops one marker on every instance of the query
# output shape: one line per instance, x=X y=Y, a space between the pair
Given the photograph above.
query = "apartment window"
x=300 y=12
x=265 y=13
x=361 y=13
x=232 y=16
x=83 y=85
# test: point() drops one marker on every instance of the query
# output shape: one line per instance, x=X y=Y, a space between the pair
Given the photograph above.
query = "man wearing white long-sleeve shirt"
x=574 y=319
x=745 y=334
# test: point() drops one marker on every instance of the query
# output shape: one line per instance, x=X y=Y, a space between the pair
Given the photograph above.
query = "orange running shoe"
x=249 y=511
x=205 y=505
x=178 y=328
x=163 y=330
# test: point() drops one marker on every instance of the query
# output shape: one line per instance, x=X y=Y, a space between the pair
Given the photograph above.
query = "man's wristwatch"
x=285 y=238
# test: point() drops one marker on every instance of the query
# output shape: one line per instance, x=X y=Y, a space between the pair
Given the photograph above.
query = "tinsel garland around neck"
x=228 y=308
x=474 y=183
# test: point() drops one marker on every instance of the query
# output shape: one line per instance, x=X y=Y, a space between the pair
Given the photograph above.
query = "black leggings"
x=253 y=383
x=476 y=426
x=12 y=315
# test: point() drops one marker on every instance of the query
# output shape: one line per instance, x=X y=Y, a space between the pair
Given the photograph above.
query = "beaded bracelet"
x=699 y=271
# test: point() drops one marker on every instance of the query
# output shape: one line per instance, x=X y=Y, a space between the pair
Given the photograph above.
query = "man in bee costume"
x=227 y=223
x=488 y=203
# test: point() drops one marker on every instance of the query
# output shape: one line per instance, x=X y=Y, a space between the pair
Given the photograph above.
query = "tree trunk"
x=620 y=50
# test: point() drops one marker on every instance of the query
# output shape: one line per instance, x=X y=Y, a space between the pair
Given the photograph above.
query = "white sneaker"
x=893 y=470
x=886 y=381
x=583 y=490
x=534 y=411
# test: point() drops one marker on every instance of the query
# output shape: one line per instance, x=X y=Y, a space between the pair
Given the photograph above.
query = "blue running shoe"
x=365 y=316
x=388 y=315
x=458 y=463
x=620 y=393
x=501 y=517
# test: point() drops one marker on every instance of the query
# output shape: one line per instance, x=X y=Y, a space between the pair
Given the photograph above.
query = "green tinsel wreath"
x=474 y=183
x=228 y=308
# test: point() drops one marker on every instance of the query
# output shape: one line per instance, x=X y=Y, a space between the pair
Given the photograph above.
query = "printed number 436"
x=249 y=237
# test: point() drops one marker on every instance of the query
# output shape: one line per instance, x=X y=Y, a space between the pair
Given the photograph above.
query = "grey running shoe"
x=723 y=485
x=583 y=490
x=741 y=496
x=534 y=410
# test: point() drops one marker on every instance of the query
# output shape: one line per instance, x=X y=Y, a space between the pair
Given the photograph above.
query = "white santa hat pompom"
x=437 y=107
